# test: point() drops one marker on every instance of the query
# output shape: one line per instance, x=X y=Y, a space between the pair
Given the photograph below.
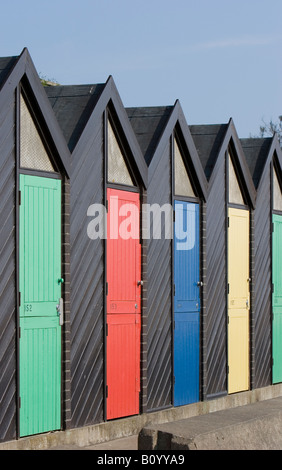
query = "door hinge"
x=173 y=289
x=174 y=216
x=19 y=332
x=228 y=221
x=107 y=205
x=227 y=369
x=272 y=227
x=228 y=288
x=106 y=288
x=106 y=391
x=20 y=198
x=272 y=288
x=107 y=330
x=19 y=299
x=20 y=402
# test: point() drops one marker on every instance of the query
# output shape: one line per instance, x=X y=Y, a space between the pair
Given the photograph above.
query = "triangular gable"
x=154 y=138
x=259 y=153
x=215 y=142
x=182 y=183
x=232 y=144
x=33 y=154
x=277 y=193
x=235 y=195
x=276 y=153
x=78 y=109
x=117 y=168
x=18 y=70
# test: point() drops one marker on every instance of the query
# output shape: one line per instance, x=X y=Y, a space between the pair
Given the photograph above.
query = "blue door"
x=186 y=303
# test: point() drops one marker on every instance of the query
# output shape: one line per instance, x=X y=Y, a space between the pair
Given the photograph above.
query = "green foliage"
x=47 y=81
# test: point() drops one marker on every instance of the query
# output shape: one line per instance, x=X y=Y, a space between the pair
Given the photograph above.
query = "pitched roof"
x=6 y=64
x=16 y=69
x=256 y=152
x=208 y=140
x=153 y=127
x=72 y=105
x=212 y=141
x=148 y=124
x=259 y=152
x=77 y=107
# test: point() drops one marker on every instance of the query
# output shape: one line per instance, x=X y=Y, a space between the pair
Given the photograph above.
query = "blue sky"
x=220 y=58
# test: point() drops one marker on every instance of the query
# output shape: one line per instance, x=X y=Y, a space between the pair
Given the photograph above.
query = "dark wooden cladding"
x=262 y=285
x=159 y=295
x=7 y=273
x=81 y=112
x=87 y=286
x=213 y=143
x=259 y=156
x=155 y=129
x=215 y=328
x=208 y=141
x=149 y=124
x=16 y=74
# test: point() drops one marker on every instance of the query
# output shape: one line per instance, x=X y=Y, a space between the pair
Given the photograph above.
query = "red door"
x=123 y=303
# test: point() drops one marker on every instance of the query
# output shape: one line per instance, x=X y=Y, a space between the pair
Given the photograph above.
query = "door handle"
x=60 y=311
x=61 y=280
x=200 y=284
x=139 y=283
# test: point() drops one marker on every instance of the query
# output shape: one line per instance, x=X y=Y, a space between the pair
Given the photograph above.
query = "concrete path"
x=255 y=426
x=124 y=443
x=247 y=420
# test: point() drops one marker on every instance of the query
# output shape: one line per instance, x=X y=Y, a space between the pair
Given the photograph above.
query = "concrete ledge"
x=256 y=426
x=125 y=427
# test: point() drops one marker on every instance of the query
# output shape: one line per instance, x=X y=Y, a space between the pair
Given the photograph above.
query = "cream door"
x=238 y=300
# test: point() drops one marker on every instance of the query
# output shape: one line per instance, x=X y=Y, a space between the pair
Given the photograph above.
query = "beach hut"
x=264 y=159
x=175 y=268
x=34 y=285
x=230 y=202
x=107 y=188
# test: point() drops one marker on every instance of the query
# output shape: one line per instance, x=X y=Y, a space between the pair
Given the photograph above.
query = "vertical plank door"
x=123 y=303
x=277 y=298
x=40 y=294
x=238 y=300
x=186 y=303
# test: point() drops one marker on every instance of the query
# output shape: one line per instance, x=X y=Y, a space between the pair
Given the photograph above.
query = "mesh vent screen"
x=32 y=151
x=182 y=183
x=277 y=196
x=235 y=195
x=117 y=169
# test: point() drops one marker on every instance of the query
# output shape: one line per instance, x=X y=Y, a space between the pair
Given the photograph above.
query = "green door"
x=40 y=304
x=277 y=297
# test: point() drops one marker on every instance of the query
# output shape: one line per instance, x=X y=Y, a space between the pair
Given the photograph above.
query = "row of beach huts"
x=140 y=257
